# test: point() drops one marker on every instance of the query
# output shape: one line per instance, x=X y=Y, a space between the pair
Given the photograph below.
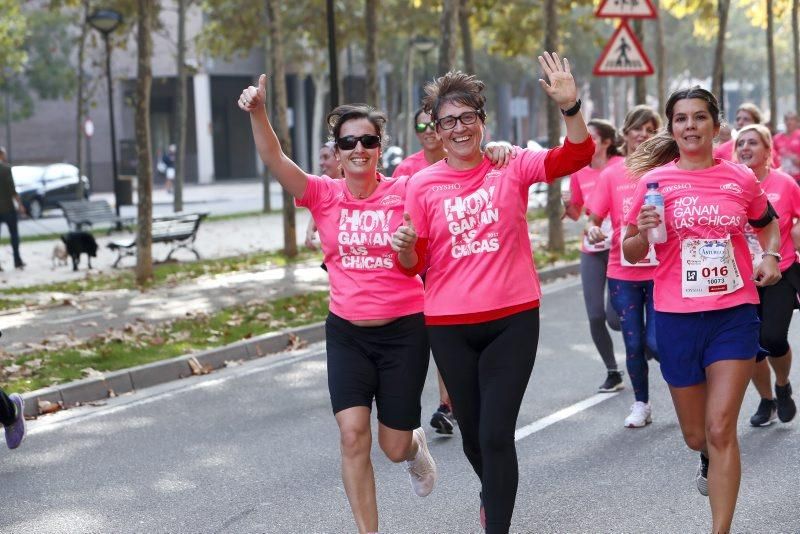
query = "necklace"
x=361 y=195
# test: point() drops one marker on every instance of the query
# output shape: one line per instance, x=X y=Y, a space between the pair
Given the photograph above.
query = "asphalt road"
x=254 y=448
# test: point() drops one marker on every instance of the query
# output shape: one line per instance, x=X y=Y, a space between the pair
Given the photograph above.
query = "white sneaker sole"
x=633 y=425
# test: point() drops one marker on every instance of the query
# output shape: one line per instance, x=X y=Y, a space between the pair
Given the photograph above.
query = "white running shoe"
x=641 y=415
x=422 y=469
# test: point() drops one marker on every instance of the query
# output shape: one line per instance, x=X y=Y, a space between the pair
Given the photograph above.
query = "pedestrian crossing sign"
x=623 y=55
x=635 y=9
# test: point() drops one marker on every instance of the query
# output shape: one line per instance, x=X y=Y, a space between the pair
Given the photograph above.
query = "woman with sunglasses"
x=377 y=347
x=754 y=148
x=467 y=223
x=705 y=287
x=432 y=147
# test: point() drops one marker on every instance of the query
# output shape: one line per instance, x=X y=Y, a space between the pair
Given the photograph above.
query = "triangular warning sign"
x=623 y=55
x=635 y=9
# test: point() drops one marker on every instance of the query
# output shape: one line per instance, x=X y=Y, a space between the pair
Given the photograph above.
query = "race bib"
x=648 y=261
x=605 y=244
x=709 y=268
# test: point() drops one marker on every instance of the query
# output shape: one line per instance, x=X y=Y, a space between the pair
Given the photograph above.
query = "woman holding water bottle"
x=630 y=286
x=705 y=286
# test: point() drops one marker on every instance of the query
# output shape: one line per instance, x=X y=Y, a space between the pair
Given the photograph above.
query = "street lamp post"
x=423 y=45
x=106 y=21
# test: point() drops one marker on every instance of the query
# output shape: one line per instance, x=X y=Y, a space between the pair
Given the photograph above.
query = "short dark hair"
x=348 y=112
x=457 y=87
x=419 y=112
x=606 y=130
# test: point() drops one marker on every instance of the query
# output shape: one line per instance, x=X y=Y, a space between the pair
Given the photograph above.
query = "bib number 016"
x=708 y=272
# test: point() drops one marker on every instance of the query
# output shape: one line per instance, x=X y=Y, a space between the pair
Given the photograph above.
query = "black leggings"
x=598 y=305
x=777 y=305
x=8 y=412
x=486 y=368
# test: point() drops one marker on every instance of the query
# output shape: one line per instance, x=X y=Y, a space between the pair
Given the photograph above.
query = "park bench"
x=82 y=213
x=178 y=230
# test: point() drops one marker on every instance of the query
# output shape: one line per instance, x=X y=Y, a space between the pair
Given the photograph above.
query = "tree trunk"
x=796 y=53
x=464 y=11
x=144 y=78
x=180 y=110
x=661 y=60
x=372 y=52
x=640 y=89
x=718 y=72
x=555 y=227
x=773 y=90
x=320 y=77
x=280 y=104
x=79 y=138
x=447 y=47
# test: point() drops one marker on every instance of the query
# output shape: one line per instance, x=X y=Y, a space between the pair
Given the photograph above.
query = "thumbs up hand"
x=254 y=97
x=405 y=237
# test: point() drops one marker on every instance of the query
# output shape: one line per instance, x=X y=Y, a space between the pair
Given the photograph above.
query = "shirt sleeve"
x=318 y=190
x=636 y=204
x=400 y=170
x=575 y=191
x=568 y=158
x=757 y=199
x=600 y=202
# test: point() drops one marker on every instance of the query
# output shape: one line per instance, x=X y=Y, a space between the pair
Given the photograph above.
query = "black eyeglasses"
x=420 y=127
x=349 y=142
x=466 y=118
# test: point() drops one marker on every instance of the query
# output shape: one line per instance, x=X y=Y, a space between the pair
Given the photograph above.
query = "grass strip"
x=140 y=343
x=169 y=273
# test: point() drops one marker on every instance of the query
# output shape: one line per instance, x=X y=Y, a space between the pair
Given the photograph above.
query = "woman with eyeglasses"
x=467 y=223
x=377 y=346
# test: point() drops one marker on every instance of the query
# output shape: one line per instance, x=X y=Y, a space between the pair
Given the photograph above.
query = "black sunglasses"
x=349 y=142
x=420 y=127
x=468 y=117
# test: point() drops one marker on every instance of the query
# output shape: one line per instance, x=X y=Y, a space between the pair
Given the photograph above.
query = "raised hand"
x=405 y=237
x=254 y=97
x=562 y=88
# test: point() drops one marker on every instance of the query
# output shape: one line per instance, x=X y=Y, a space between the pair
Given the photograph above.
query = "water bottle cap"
x=652 y=185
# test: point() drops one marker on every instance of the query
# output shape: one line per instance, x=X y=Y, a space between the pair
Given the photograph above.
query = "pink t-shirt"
x=787 y=145
x=614 y=195
x=581 y=185
x=479 y=250
x=725 y=150
x=356 y=237
x=411 y=165
x=703 y=207
x=784 y=195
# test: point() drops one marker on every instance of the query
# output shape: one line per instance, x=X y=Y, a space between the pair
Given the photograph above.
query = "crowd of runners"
x=437 y=258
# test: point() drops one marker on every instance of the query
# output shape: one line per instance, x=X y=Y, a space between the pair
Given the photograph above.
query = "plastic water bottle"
x=653 y=198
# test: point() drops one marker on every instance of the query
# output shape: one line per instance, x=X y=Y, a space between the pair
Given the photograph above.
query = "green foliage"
x=13 y=31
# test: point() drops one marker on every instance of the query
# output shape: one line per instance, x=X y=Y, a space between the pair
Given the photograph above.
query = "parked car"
x=42 y=187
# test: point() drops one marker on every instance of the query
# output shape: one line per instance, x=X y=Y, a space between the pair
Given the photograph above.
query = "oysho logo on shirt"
x=491 y=175
x=676 y=187
x=445 y=187
x=732 y=187
x=391 y=200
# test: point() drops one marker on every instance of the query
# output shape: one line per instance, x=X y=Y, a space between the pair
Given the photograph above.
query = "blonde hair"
x=637 y=117
x=752 y=109
x=662 y=148
x=763 y=133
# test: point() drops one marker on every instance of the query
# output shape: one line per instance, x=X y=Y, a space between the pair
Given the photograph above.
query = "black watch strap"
x=573 y=110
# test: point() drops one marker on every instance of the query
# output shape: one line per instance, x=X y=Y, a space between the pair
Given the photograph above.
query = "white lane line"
x=74 y=318
x=569 y=411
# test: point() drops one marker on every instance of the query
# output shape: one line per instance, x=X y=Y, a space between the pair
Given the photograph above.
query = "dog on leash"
x=59 y=258
x=78 y=243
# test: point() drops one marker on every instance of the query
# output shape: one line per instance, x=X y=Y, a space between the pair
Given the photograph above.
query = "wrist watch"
x=776 y=255
x=573 y=110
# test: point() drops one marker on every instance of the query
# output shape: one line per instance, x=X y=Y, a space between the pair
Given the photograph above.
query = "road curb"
x=127 y=380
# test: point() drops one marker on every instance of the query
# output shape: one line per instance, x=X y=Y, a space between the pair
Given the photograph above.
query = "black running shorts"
x=386 y=363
